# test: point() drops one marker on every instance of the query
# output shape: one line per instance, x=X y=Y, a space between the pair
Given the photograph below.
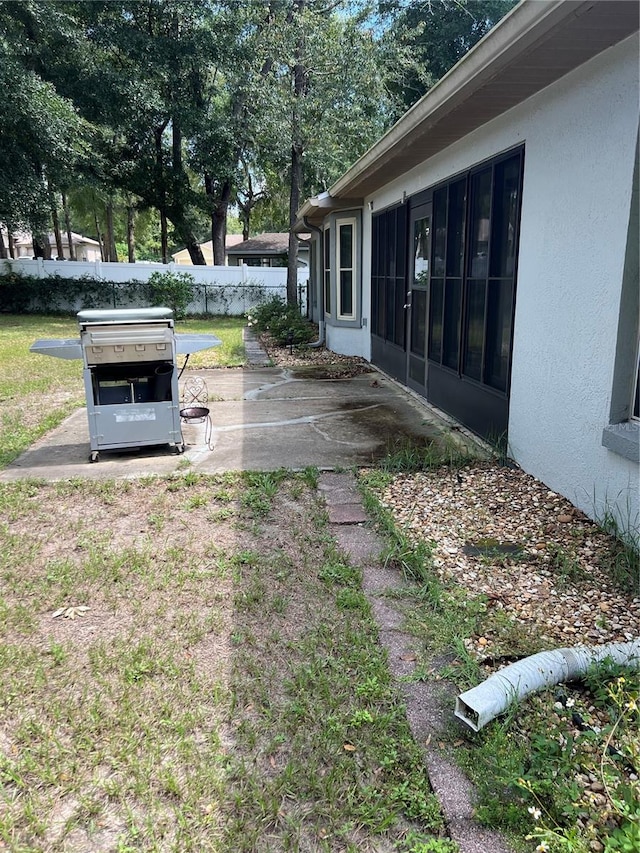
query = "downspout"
x=478 y=706
x=320 y=233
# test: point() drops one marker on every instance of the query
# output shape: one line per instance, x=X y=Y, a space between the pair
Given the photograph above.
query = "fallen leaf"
x=409 y=656
x=58 y=613
x=272 y=761
x=349 y=747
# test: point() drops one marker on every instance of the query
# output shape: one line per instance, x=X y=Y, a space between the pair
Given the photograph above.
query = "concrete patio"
x=261 y=419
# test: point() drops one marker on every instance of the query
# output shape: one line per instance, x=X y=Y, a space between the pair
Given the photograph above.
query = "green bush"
x=282 y=321
x=171 y=289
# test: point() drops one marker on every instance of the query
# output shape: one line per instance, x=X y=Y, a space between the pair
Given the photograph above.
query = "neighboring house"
x=85 y=249
x=268 y=250
x=264 y=250
x=485 y=250
x=183 y=256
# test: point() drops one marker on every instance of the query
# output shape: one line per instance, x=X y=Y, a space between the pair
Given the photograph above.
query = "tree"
x=41 y=134
x=430 y=37
x=323 y=100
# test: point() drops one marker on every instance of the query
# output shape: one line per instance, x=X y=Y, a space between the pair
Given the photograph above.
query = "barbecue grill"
x=130 y=375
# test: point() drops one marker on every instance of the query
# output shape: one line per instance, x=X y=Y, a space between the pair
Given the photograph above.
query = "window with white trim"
x=346 y=268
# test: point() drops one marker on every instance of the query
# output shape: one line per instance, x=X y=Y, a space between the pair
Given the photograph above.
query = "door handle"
x=407 y=304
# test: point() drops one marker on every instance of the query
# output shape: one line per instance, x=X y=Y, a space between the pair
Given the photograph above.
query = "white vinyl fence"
x=216 y=290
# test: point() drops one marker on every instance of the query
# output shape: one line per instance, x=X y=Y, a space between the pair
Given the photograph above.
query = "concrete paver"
x=429 y=704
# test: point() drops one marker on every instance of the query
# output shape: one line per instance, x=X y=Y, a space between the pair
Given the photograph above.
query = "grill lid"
x=124 y=315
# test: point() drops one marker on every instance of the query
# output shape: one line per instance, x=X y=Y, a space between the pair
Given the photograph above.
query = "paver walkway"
x=429 y=704
x=255 y=353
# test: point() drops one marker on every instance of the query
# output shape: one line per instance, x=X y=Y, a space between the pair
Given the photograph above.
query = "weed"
x=567 y=568
x=623 y=561
x=408 y=457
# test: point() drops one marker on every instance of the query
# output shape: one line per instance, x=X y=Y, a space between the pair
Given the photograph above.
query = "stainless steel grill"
x=130 y=375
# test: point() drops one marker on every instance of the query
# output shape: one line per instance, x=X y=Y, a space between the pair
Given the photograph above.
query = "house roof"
x=262 y=244
x=230 y=240
x=534 y=45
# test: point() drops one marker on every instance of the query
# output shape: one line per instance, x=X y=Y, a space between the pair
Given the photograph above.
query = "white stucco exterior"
x=580 y=136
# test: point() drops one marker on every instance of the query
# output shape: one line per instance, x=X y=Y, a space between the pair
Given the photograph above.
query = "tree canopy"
x=180 y=111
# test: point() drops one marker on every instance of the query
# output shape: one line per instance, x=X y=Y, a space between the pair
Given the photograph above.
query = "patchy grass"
x=36 y=392
x=187 y=663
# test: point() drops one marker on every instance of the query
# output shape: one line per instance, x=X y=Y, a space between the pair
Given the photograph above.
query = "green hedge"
x=56 y=294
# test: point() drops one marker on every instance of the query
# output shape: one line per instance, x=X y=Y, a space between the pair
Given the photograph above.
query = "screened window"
x=472 y=295
x=346 y=271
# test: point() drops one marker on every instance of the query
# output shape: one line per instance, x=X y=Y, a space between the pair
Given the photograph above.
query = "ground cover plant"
x=187 y=663
x=38 y=392
x=503 y=568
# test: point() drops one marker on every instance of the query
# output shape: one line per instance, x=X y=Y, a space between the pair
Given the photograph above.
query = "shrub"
x=171 y=289
x=282 y=321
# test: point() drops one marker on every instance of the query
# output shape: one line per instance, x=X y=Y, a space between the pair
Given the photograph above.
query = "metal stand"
x=194 y=395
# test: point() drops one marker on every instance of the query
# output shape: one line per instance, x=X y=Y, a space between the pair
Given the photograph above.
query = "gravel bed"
x=555 y=587
x=340 y=366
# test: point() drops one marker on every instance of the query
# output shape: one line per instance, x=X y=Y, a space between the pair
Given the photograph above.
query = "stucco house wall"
x=580 y=136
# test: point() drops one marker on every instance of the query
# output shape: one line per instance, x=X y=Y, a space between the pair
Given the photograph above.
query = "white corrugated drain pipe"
x=478 y=706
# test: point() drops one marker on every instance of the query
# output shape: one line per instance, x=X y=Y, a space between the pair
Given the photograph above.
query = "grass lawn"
x=187 y=664
x=38 y=392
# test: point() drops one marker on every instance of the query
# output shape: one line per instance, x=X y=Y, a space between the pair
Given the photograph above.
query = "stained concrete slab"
x=261 y=419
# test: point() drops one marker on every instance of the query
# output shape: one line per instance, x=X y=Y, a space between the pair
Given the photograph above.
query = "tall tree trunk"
x=42 y=247
x=164 y=242
x=219 y=225
x=56 y=227
x=67 y=225
x=3 y=248
x=99 y=235
x=12 y=248
x=112 y=254
x=299 y=91
x=294 y=204
x=131 y=249
x=164 y=239
x=194 y=249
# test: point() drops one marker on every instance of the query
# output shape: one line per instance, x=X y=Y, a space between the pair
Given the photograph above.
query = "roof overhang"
x=314 y=210
x=537 y=43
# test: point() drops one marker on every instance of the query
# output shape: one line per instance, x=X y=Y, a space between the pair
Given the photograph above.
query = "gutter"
x=321 y=326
